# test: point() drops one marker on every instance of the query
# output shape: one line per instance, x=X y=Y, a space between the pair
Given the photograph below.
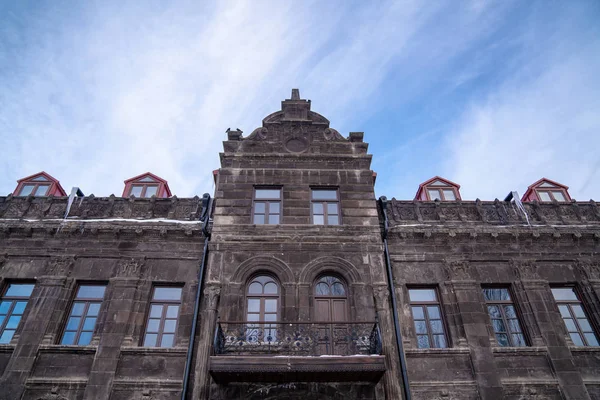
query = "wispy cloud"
x=100 y=92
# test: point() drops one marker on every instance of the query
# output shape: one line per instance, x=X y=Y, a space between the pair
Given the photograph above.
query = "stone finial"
x=295 y=94
x=234 y=135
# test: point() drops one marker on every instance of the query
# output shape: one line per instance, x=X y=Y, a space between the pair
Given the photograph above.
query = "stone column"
x=49 y=290
x=469 y=301
x=205 y=335
x=114 y=330
x=392 y=379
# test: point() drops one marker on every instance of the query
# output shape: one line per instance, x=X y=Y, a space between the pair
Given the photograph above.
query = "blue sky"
x=490 y=94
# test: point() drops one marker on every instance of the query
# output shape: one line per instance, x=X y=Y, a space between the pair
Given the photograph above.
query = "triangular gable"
x=544 y=183
x=139 y=178
x=436 y=181
x=149 y=178
x=55 y=187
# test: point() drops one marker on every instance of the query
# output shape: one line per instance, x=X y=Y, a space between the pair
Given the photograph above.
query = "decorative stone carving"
x=525 y=269
x=588 y=269
x=212 y=295
x=458 y=269
x=129 y=267
x=382 y=296
x=60 y=265
x=332 y=134
x=259 y=134
x=53 y=395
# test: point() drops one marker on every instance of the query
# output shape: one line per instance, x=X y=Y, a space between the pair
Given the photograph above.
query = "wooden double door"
x=331 y=309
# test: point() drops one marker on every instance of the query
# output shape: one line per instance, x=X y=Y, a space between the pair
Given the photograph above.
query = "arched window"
x=262 y=305
x=330 y=299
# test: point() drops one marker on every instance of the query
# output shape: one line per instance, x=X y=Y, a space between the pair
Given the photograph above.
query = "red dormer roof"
x=143 y=186
x=536 y=191
x=35 y=184
x=437 y=183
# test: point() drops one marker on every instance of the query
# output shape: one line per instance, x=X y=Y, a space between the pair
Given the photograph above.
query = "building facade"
x=295 y=282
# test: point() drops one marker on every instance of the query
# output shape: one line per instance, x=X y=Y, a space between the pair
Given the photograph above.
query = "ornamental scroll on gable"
x=294 y=129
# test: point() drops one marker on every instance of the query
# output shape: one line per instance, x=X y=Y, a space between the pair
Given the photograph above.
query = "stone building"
x=295 y=282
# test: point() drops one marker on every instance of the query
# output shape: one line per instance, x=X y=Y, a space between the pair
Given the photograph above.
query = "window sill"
x=62 y=348
x=445 y=351
x=585 y=349
x=7 y=347
x=519 y=350
x=154 y=350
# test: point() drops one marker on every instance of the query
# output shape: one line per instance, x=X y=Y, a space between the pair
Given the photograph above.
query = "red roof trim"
x=428 y=181
x=162 y=183
x=145 y=174
x=537 y=183
x=56 y=186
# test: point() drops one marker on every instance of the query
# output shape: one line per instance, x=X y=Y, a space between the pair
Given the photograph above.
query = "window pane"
x=13 y=322
x=91 y=292
x=496 y=294
x=510 y=312
x=333 y=220
x=578 y=311
x=439 y=341
x=167 y=293
x=85 y=338
x=418 y=313
x=337 y=289
x=19 y=308
x=564 y=294
x=449 y=195
x=136 y=190
x=323 y=289
x=150 y=340
x=259 y=208
x=423 y=341
x=544 y=196
x=514 y=326
x=332 y=208
x=570 y=325
x=167 y=340
x=270 y=317
x=518 y=340
x=591 y=339
x=253 y=317
x=270 y=305
x=420 y=326
x=274 y=208
x=26 y=190
x=502 y=339
x=4 y=307
x=267 y=194
x=146 y=179
x=68 y=338
x=73 y=323
x=253 y=305
x=19 y=290
x=259 y=219
x=40 y=178
x=42 y=190
x=436 y=326
x=172 y=311
x=498 y=325
x=156 y=311
x=274 y=219
x=318 y=220
x=77 y=309
x=576 y=338
x=584 y=325
x=7 y=335
x=89 y=324
x=434 y=194
x=317 y=208
x=271 y=288
x=255 y=288
x=324 y=194
x=494 y=312
x=93 y=309
x=564 y=311
x=422 y=295
x=151 y=191
x=170 y=326
x=559 y=196
x=153 y=325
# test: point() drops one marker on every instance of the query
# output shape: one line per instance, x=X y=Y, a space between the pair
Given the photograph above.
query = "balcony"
x=297 y=352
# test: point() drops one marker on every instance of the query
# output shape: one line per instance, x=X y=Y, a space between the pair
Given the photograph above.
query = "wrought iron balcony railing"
x=297 y=338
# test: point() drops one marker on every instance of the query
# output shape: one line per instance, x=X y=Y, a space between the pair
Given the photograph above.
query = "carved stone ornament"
x=53 y=395
x=259 y=134
x=381 y=295
x=458 y=269
x=60 y=265
x=212 y=297
x=332 y=134
x=525 y=269
x=588 y=269
x=129 y=267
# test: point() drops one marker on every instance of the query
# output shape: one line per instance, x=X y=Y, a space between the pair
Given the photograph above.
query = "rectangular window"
x=574 y=317
x=163 y=317
x=504 y=317
x=83 y=316
x=12 y=307
x=34 y=189
x=325 y=206
x=267 y=206
x=427 y=315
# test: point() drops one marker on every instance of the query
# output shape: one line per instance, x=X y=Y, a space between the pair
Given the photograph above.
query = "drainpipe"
x=388 y=264
x=205 y=218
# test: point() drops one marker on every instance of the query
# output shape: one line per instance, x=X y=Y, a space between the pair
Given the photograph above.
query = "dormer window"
x=146 y=186
x=546 y=190
x=438 y=189
x=40 y=184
